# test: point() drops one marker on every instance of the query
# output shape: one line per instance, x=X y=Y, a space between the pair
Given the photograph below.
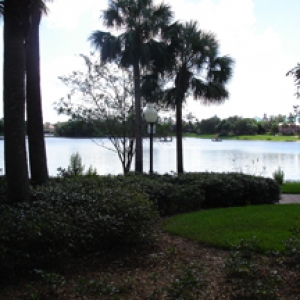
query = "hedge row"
x=193 y=191
x=232 y=189
x=71 y=216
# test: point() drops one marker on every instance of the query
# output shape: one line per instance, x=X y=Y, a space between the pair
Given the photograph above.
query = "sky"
x=262 y=36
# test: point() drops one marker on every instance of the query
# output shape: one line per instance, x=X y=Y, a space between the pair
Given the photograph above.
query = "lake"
x=252 y=157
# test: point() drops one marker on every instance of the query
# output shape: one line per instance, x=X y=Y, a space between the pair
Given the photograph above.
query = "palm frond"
x=111 y=17
x=150 y=88
x=221 y=69
x=172 y=97
x=43 y=7
x=108 y=44
x=209 y=92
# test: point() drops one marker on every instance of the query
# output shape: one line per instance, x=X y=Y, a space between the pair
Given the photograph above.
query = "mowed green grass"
x=291 y=187
x=223 y=227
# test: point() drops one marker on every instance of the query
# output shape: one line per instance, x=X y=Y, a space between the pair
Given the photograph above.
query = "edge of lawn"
x=271 y=225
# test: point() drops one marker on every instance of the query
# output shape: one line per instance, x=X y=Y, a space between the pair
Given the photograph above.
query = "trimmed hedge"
x=76 y=215
x=71 y=217
x=232 y=189
x=169 y=197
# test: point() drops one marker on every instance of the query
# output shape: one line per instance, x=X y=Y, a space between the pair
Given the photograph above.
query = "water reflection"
x=254 y=157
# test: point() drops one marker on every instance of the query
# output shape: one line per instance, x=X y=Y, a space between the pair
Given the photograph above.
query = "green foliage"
x=50 y=285
x=232 y=189
x=80 y=128
x=76 y=168
x=101 y=287
x=72 y=216
x=168 y=196
x=278 y=176
x=292 y=247
x=189 y=284
x=245 y=270
x=194 y=191
x=78 y=214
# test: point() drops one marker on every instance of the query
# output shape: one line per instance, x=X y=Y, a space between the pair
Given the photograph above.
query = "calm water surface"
x=253 y=157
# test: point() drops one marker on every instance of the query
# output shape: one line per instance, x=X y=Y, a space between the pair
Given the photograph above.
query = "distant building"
x=265 y=118
x=49 y=128
x=290 y=126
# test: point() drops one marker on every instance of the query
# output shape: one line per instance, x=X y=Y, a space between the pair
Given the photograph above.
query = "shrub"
x=292 y=248
x=247 y=273
x=168 y=196
x=193 y=191
x=76 y=168
x=278 y=176
x=232 y=189
x=72 y=216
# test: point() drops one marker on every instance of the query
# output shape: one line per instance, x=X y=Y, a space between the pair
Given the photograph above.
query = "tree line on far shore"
x=233 y=125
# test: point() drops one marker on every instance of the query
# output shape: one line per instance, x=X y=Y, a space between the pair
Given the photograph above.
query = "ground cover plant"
x=71 y=216
x=171 y=268
x=225 y=227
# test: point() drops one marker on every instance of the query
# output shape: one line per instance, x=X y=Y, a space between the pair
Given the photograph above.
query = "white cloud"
x=52 y=88
x=67 y=14
x=259 y=84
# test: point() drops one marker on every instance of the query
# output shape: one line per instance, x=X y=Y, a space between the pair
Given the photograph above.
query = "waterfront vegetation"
x=101 y=237
x=256 y=137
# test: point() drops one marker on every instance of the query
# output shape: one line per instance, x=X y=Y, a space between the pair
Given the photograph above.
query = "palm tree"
x=16 y=24
x=197 y=69
x=141 y=21
x=36 y=142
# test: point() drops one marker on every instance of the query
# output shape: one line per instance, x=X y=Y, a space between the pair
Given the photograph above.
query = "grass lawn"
x=291 y=187
x=270 y=224
x=248 y=137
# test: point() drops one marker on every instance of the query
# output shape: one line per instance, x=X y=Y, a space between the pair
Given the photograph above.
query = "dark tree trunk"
x=14 y=101
x=179 y=152
x=36 y=142
x=138 y=121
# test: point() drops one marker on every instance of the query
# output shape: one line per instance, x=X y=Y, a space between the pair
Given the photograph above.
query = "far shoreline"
x=267 y=138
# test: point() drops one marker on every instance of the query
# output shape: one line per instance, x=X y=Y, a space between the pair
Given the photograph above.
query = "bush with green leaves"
x=76 y=168
x=72 y=216
x=189 y=284
x=169 y=197
x=278 y=176
x=187 y=192
x=232 y=189
x=292 y=248
x=245 y=270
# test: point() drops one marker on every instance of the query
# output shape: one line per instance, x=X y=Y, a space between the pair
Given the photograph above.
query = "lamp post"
x=151 y=117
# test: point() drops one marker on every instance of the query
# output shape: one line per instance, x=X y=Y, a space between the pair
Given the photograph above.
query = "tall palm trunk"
x=36 y=142
x=179 y=152
x=14 y=102
x=138 y=120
